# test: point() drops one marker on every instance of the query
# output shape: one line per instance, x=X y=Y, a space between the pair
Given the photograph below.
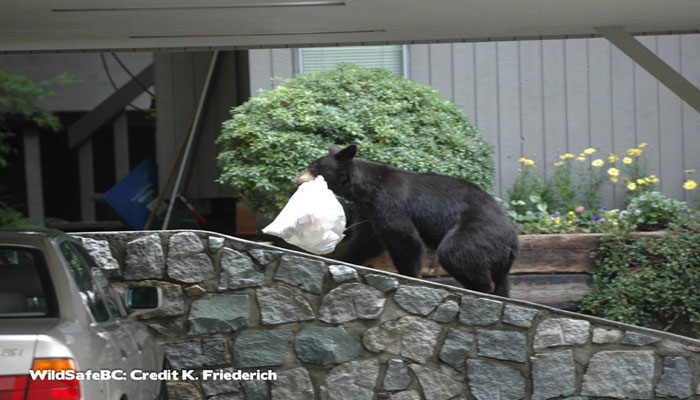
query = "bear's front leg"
x=403 y=243
x=362 y=245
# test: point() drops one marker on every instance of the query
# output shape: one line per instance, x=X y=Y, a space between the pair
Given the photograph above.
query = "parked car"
x=58 y=312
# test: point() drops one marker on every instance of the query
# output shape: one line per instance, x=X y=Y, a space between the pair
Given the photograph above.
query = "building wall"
x=539 y=99
x=337 y=331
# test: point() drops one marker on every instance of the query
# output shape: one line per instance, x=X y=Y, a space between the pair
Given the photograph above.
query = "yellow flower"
x=613 y=171
x=690 y=184
x=631 y=185
x=653 y=178
x=566 y=156
x=598 y=163
x=688 y=171
x=571 y=213
x=637 y=152
x=614 y=179
x=529 y=162
x=647 y=180
x=559 y=163
x=641 y=181
x=642 y=145
x=627 y=160
x=612 y=158
x=589 y=150
x=581 y=157
x=522 y=159
x=557 y=220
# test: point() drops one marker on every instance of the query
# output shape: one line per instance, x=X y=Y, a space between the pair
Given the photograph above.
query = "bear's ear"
x=346 y=154
x=333 y=149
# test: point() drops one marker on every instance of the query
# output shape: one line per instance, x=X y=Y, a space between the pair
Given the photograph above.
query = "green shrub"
x=652 y=210
x=649 y=282
x=274 y=136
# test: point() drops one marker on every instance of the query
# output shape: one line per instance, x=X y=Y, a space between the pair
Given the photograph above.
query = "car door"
x=110 y=346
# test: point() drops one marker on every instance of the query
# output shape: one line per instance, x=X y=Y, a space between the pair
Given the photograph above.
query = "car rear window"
x=25 y=284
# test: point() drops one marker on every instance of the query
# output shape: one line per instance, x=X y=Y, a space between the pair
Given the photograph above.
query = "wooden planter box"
x=551 y=269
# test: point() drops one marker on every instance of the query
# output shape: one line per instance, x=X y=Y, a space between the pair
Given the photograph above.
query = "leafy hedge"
x=649 y=282
x=273 y=137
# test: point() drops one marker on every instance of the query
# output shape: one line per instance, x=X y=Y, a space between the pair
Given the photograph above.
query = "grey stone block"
x=436 y=385
x=620 y=374
x=219 y=313
x=638 y=339
x=280 y=305
x=604 y=336
x=675 y=379
x=256 y=390
x=215 y=243
x=302 y=272
x=384 y=283
x=187 y=261
x=101 y=253
x=519 y=316
x=292 y=384
x=261 y=348
x=264 y=256
x=324 y=345
x=445 y=312
x=238 y=271
x=183 y=391
x=396 y=376
x=411 y=337
x=406 y=395
x=351 y=301
x=214 y=352
x=456 y=347
x=419 y=300
x=475 y=311
x=561 y=332
x=342 y=273
x=217 y=386
x=144 y=258
x=553 y=375
x=502 y=345
x=184 y=354
x=490 y=381
x=353 y=380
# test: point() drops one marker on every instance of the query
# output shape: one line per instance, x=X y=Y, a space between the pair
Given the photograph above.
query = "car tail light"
x=13 y=387
x=50 y=387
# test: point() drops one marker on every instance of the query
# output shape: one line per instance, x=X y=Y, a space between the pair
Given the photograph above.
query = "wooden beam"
x=654 y=65
x=120 y=129
x=87 y=181
x=83 y=128
x=32 y=173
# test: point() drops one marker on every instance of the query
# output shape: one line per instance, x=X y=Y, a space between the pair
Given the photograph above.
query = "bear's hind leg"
x=464 y=263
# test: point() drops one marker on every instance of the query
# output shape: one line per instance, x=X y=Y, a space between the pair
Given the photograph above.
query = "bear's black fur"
x=402 y=211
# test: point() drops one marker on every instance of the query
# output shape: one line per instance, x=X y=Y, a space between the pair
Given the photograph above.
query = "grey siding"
x=539 y=99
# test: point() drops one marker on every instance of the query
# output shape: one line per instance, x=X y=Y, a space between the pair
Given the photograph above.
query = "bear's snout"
x=305 y=176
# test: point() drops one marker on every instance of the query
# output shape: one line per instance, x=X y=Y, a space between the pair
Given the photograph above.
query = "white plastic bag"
x=312 y=219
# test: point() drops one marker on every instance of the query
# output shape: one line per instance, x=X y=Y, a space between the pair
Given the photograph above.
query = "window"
x=319 y=58
x=25 y=284
x=101 y=308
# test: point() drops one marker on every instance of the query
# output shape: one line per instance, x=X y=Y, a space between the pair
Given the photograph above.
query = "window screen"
x=388 y=57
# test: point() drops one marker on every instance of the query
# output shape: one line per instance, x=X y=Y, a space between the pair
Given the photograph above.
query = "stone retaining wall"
x=340 y=332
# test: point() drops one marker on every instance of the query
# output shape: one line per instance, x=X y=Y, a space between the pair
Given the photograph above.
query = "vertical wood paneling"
x=441 y=77
x=508 y=113
x=690 y=68
x=670 y=122
x=622 y=108
x=600 y=106
x=646 y=94
x=576 y=89
x=165 y=144
x=555 y=138
x=464 y=84
x=531 y=103
x=487 y=105
x=420 y=63
x=282 y=64
x=260 y=62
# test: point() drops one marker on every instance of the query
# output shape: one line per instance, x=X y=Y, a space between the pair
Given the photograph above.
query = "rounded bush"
x=273 y=137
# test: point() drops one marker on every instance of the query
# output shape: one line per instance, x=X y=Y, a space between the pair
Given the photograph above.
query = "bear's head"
x=335 y=168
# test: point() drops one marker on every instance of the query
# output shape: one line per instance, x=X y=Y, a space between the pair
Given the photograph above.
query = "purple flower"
x=595 y=217
x=553 y=215
x=603 y=208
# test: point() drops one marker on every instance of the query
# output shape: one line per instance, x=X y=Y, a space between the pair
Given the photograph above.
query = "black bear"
x=403 y=211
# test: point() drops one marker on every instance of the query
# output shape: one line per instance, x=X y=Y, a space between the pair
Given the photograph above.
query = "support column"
x=654 y=65
x=120 y=128
x=32 y=173
x=87 y=181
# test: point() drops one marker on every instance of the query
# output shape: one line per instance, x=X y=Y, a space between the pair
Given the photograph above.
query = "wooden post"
x=87 y=183
x=32 y=172
x=120 y=128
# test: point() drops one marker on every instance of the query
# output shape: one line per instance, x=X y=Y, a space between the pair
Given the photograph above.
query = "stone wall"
x=341 y=332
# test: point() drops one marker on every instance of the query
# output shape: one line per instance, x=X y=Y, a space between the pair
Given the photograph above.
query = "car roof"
x=19 y=233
